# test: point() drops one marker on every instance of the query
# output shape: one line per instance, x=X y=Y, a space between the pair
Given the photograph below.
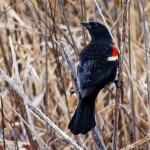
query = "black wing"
x=93 y=74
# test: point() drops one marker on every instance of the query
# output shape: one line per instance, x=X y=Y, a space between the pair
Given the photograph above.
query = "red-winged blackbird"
x=97 y=67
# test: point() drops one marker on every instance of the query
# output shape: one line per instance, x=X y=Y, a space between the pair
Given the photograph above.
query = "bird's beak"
x=86 y=24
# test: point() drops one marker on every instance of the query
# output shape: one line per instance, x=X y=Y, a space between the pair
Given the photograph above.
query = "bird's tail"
x=84 y=117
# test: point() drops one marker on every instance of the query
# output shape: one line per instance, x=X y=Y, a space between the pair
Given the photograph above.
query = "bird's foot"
x=72 y=90
x=119 y=84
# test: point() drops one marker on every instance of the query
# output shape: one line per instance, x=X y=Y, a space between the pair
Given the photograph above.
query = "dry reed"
x=36 y=101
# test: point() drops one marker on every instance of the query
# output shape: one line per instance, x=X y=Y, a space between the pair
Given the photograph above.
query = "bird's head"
x=97 y=30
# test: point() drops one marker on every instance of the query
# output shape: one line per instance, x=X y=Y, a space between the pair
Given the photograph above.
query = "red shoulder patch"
x=114 y=51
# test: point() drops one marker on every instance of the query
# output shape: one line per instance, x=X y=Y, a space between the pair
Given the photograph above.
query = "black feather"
x=93 y=73
x=84 y=118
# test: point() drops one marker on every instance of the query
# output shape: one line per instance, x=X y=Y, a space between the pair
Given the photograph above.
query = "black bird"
x=97 y=67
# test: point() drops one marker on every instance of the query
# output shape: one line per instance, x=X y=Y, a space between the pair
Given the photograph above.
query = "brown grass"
x=35 y=33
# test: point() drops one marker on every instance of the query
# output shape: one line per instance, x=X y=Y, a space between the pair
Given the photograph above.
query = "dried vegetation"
x=32 y=30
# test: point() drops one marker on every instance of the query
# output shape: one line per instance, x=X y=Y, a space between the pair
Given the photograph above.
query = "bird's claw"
x=119 y=84
x=72 y=90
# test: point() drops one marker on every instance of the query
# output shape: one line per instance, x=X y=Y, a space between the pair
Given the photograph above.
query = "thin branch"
x=147 y=65
x=146 y=59
x=83 y=19
x=66 y=54
x=96 y=133
x=15 y=71
x=3 y=124
x=9 y=7
x=137 y=143
x=130 y=118
x=16 y=77
x=28 y=102
x=53 y=50
x=46 y=67
x=67 y=24
x=116 y=21
x=67 y=57
x=132 y=100
x=119 y=92
x=22 y=118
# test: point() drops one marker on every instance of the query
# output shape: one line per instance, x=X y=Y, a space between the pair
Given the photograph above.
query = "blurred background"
x=35 y=28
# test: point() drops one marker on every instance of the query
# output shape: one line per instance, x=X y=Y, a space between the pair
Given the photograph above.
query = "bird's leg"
x=72 y=91
x=119 y=84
